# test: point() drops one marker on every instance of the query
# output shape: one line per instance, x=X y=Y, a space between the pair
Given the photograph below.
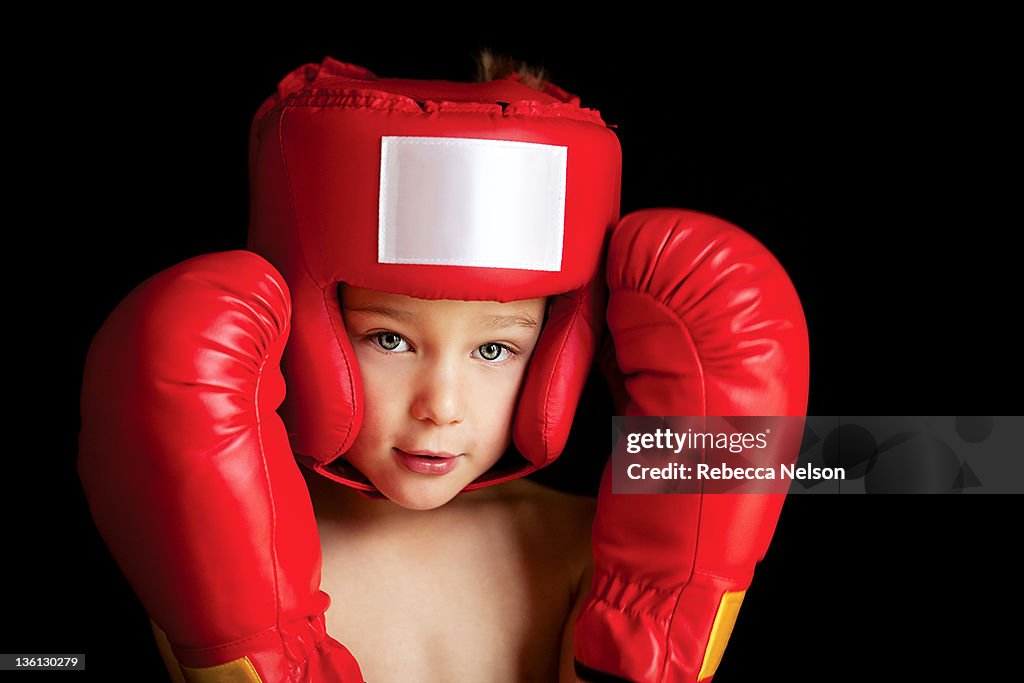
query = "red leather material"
x=189 y=475
x=558 y=371
x=703 y=321
x=315 y=174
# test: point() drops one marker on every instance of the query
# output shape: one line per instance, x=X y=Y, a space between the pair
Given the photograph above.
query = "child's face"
x=439 y=376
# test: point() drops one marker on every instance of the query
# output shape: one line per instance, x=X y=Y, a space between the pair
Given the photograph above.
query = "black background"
x=864 y=154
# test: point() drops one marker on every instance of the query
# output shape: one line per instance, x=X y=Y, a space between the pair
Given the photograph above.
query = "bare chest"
x=480 y=601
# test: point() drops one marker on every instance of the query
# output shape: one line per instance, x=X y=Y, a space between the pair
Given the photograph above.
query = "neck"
x=331 y=498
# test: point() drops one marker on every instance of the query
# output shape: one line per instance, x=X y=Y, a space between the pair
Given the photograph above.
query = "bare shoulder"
x=563 y=523
x=559 y=520
x=555 y=509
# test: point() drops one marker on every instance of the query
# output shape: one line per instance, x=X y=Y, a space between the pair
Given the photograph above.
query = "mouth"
x=428 y=462
x=431 y=454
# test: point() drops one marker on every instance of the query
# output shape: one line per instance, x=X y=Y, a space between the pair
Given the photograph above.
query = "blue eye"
x=390 y=341
x=495 y=353
x=491 y=352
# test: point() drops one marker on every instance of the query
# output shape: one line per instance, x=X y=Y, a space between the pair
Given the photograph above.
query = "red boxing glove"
x=191 y=480
x=704 y=321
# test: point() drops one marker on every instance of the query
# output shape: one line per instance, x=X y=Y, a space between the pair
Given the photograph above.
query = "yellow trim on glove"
x=725 y=619
x=238 y=670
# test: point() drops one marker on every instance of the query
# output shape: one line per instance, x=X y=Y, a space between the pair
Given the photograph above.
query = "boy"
x=456 y=196
x=435 y=586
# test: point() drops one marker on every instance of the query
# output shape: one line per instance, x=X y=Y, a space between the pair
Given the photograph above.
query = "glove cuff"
x=642 y=632
x=297 y=651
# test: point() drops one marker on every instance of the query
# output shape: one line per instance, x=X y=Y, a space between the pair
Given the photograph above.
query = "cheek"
x=374 y=370
x=497 y=398
x=380 y=398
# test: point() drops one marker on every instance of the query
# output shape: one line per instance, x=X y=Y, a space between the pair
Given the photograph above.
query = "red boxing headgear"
x=438 y=190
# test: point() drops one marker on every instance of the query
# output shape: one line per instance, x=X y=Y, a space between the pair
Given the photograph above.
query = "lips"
x=427 y=462
x=431 y=454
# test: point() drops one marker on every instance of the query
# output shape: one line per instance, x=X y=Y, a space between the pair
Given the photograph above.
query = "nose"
x=440 y=393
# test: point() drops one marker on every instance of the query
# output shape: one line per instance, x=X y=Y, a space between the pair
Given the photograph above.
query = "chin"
x=421 y=497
